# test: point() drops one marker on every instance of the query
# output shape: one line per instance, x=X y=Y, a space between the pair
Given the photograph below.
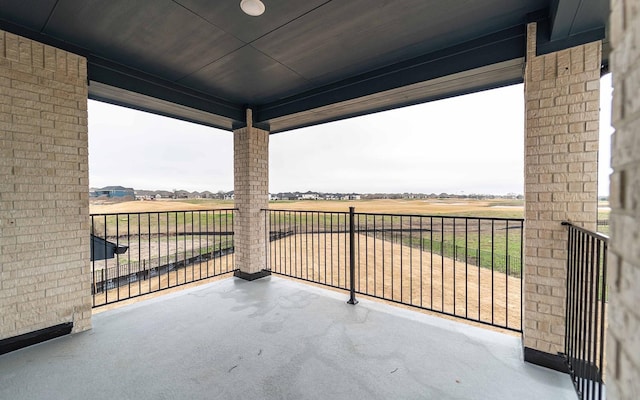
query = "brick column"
x=623 y=340
x=251 y=193
x=44 y=189
x=562 y=93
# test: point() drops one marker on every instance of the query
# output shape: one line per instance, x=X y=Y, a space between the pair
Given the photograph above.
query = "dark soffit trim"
x=501 y=46
x=119 y=76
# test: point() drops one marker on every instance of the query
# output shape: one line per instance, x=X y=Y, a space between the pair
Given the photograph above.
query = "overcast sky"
x=467 y=144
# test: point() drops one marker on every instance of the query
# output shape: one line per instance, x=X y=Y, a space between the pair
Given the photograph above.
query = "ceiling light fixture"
x=253 y=8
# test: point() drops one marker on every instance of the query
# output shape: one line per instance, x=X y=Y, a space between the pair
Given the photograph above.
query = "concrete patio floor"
x=275 y=339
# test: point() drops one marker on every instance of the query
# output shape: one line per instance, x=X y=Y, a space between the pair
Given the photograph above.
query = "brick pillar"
x=562 y=91
x=251 y=193
x=623 y=341
x=44 y=189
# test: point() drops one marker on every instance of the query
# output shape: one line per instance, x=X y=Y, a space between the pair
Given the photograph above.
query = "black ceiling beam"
x=119 y=76
x=570 y=23
x=562 y=14
x=498 y=47
x=570 y=18
x=544 y=44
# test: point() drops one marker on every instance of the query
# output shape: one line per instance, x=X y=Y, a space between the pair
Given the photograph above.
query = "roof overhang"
x=299 y=64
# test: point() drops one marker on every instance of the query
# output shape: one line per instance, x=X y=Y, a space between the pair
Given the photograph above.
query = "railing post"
x=352 y=257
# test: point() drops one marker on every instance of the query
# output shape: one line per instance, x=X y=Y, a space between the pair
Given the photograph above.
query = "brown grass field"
x=161 y=284
x=480 y=208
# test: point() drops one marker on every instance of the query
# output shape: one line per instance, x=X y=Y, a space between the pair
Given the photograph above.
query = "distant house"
x=181 y=194
x=229 y=195
x=114 y=192
x=287 y=196
x=309 y=196
x=164 y=194
x=102 y=249
x=145 y=194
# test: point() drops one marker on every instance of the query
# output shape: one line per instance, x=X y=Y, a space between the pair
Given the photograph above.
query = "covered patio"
x=303 y=64
x=276 y=339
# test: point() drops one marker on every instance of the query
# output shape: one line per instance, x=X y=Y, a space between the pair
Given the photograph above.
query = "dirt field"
x=156 y=205
x=173 y=278
x=481 y=208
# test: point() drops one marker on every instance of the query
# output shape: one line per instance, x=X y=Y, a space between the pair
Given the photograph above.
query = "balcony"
x=416 y=278
x=275 y=338
x=50 y=64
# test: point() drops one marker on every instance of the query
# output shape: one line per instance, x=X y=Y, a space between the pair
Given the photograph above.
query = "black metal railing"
x=133 y=254
x=602 y=226
x=586 y=310
x=460 y=266
x=309 y=245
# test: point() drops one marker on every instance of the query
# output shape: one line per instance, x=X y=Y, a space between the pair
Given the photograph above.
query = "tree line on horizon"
x=309 y=195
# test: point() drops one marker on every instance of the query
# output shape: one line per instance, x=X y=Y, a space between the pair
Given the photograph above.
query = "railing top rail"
x=306 y=211
x=404 y=215
x=443 y=216
x=597 y=235
x=161 y=212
